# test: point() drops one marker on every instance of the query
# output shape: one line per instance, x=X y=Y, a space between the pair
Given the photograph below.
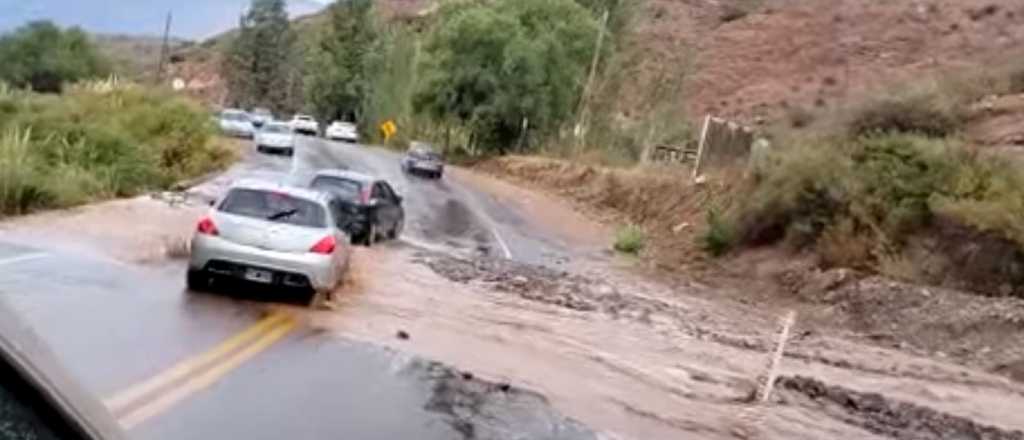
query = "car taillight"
x=206 y=226
x=325 y=246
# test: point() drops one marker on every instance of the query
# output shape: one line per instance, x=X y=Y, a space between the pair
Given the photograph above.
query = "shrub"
x=856 y=202
x=720 y=235
x=799 y=117
x=922 y=113
x=629 y=240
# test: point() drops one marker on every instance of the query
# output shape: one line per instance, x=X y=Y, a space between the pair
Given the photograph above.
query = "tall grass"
x=98 y=140
x=19 y=179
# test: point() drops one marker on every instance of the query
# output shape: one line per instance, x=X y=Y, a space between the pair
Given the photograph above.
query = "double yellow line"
x=156 y=395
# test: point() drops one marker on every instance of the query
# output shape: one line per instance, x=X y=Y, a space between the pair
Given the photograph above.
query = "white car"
x=305 y=124
x=261 y=116
x=234 y=122
x=271 y=234
x=275 y=137
x=342 y=131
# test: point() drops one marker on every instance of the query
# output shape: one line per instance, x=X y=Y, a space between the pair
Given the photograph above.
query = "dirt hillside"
x=750 y=59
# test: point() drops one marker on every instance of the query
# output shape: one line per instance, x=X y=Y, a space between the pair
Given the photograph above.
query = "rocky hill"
x=757 y=58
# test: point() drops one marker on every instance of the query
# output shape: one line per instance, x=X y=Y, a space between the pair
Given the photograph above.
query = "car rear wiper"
x=282 y=214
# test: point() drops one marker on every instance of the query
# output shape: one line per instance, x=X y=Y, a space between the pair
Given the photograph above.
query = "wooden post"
x=700 y=146
x=765 y=392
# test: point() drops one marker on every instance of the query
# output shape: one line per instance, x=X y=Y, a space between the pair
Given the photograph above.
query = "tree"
x=257 y=63
x=505 y=67
x=43 y=57
x=337 y=85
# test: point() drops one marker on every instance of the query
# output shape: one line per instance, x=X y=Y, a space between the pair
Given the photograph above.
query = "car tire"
x=197 y=280
x=289 y=152
x=260 y=149
x=371 y=237
x=396 y=230
x=317 y=299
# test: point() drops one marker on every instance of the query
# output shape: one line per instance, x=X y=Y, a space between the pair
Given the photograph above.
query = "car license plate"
x=259 y=276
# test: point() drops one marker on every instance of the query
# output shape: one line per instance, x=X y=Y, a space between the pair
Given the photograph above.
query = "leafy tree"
x=42 y=56
x=337 y=85
x=492 y=66
x=257 y=65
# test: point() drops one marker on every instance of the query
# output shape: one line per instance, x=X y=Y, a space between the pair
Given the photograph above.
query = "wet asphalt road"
x=116 y=325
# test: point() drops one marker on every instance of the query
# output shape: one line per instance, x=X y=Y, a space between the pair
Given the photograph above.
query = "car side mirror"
x=211 y=203
x=398 y=199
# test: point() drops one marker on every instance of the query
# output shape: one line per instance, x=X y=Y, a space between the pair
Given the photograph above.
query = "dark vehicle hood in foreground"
x=21 y=348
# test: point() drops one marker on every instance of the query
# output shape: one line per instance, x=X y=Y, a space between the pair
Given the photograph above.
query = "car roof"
x=292 y=190
x=346 y=174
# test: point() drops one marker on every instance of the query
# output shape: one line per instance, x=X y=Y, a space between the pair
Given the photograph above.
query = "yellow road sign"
x=388 y=129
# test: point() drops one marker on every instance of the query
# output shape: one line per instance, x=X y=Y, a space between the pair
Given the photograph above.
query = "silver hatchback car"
x=271 y=234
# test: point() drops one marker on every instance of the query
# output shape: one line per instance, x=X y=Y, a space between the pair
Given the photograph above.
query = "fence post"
x=700 y=146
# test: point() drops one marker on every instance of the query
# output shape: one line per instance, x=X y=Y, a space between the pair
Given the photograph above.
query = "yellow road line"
x=207 y=378
x=130 y=396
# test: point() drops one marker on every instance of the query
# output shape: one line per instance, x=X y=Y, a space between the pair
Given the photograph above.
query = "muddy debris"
x=550 y=286
x=480 y=410
x=884 y=416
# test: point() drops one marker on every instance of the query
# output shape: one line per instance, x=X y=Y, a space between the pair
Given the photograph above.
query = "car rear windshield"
x=425 y=155
x=276 y=128
x=275 y=207
x=343 y=188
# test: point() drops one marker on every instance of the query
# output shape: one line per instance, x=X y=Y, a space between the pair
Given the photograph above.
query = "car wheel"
x=371 y=235
x=289 y=151
x=197 y=280
x=317 y=299
x=260 y=149
x=397 y=229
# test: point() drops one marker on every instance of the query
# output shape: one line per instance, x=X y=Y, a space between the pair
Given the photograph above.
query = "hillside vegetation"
x=98 y=140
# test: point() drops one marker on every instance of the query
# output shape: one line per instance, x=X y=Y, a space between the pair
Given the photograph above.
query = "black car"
x=422 y=159
x=370 y=205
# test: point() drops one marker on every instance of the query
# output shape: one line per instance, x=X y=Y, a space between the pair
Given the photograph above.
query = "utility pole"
x=163 y=49
x=581 y=121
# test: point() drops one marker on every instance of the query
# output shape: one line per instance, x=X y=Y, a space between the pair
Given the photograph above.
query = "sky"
x=192 y=19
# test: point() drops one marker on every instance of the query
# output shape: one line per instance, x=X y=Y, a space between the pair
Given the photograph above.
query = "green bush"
x=720 y=235
x=629 y=240
x=93 y=143
x=927 y=113
x=866 y=196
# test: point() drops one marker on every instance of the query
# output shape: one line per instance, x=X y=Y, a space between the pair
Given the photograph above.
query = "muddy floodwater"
x=500 y=314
